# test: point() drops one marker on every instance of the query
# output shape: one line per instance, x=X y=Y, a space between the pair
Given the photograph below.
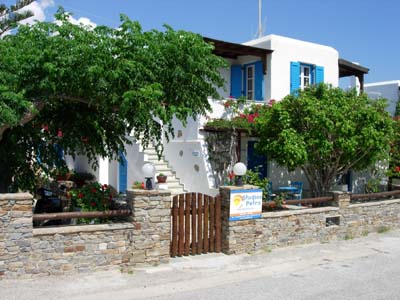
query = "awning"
x=232 y=50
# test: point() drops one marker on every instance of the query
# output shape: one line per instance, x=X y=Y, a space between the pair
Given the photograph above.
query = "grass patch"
x=348 y=237
x=383 y=229
x=365 y=233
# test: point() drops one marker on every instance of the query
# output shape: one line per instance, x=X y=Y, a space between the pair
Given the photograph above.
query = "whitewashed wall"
x=386 y=89
x=287 y=50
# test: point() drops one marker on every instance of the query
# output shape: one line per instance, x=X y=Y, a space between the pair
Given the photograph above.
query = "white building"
x=267 y=68
x=385 y=89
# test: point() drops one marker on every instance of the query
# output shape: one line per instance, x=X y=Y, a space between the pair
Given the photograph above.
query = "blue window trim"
x=255 y=81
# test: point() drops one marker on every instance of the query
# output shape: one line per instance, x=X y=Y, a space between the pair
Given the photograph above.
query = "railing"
x=374 y=196
x=89 y=214
x=305 y=202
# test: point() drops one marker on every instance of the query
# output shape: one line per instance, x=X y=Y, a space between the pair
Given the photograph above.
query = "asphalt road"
x=365 y=268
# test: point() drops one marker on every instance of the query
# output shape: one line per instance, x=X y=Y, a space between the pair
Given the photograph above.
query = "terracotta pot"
x=161 y=179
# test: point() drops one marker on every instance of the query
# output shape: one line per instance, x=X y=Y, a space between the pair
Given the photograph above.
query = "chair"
x=271 y=194
x=299 y=189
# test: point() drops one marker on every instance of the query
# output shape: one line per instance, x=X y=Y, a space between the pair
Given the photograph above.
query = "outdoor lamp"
x=148 y=171
x=240 y=170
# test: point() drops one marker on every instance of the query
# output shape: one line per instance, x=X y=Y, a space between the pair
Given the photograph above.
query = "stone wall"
x=26 y=251
x=145 y=239
x=15 y=232
x=295 y=227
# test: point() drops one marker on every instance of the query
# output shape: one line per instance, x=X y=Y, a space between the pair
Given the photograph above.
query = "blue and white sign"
x=245 y=204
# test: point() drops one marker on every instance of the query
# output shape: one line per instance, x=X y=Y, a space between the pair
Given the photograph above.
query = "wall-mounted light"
x=239 y=169
x=148 y=172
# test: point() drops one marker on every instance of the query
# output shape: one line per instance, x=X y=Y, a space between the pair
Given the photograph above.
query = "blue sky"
x=364 y=31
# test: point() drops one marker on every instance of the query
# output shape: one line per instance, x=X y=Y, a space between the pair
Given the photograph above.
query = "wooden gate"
x=196 y=224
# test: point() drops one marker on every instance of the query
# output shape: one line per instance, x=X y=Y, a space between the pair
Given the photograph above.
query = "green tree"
x=10 y=16
x=84 y=90
x=326 y=132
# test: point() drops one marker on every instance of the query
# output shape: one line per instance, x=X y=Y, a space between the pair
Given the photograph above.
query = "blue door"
x=123 y=174
x=255 y=161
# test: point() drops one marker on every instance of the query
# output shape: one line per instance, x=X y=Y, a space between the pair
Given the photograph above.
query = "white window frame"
x=250 y=89
x=303 y=77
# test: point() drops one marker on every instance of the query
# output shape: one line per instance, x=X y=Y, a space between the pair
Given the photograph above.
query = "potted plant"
x=161 y=178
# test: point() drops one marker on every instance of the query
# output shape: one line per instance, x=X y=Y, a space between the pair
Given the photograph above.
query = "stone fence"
x=145 y=239
x=294 y=227
x=26 y=251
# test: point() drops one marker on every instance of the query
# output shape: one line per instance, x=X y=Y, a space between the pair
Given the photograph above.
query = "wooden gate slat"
x=188 y=202
x=205 y=224
x=200 y=223
x=218 y=224
x=212 y=223
x=181 y=224
x=194 y=220
x=174 y=243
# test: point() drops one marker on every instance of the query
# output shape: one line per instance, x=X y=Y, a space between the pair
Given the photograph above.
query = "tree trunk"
x=5 y=177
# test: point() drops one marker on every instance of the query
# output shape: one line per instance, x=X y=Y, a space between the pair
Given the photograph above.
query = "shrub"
x=91 y=197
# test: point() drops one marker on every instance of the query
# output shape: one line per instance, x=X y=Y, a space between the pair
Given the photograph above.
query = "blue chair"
x=299 y=190
x=271 y=194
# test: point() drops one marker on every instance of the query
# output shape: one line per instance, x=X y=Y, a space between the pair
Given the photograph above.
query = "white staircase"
x=161 y=166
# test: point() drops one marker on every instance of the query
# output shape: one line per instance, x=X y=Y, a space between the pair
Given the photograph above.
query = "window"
x=302 y=75
x=250 y=82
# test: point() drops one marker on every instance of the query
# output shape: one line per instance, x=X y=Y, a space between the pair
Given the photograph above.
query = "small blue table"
x=287 y=190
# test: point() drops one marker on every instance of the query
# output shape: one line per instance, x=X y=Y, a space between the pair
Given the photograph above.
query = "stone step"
x=160 y=162
x=153 y=157
x=162 y=169
x=170 y=174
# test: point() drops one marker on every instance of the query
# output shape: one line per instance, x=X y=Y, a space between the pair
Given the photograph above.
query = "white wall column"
x=103 y=170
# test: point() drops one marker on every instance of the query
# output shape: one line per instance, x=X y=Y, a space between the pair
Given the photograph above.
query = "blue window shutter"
x=123 y=173
x=259 y=81
x=319 y=74
x=294 y=76
x=236 y=81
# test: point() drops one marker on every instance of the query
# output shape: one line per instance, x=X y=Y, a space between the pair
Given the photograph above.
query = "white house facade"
x=267 y=68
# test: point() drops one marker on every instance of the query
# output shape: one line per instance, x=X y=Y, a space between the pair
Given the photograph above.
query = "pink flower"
x=59 y=133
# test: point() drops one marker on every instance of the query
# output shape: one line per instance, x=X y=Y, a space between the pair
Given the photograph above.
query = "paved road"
x=366 y=268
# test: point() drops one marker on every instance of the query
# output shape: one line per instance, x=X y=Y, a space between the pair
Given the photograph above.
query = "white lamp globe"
x=148 y=170
x=240 y=169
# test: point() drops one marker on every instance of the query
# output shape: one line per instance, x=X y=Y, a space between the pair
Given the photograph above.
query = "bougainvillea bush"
x=91 y=197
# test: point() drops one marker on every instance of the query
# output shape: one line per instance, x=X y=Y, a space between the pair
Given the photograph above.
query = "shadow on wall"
x=280 y=176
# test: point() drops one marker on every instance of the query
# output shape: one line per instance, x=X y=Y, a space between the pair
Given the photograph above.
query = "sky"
x=363 y=31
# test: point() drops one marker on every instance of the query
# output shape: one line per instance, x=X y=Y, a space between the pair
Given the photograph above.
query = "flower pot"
x=161 y=179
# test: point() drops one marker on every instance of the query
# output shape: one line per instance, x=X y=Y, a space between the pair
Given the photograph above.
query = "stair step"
x=160 y=162
x=153 y=157
x=150 y=151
